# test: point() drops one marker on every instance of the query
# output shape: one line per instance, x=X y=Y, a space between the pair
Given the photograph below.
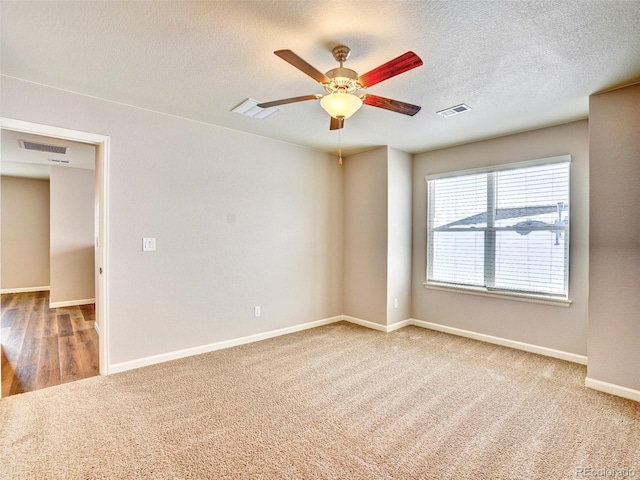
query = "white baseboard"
x=365 y=323
x=25 y=290
x=505 y=342
x=612 y=389
x=376 y=326
x=187 y=352
x=96 y=327
x=72 y=303
x=398 y=325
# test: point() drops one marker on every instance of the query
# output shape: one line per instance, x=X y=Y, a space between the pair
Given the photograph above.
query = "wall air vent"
x=43 y=147
x=57 y=160
x=448 y=112
x=249 y=108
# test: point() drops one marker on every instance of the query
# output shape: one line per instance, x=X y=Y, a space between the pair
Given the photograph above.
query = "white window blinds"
x=501 y=229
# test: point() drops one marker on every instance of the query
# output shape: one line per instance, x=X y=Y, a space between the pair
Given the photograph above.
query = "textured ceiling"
x=519 y=64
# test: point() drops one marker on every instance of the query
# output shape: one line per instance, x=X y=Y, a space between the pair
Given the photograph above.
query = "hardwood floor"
x=43 y=347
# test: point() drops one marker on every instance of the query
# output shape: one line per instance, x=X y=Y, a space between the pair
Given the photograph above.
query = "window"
x=501 y=229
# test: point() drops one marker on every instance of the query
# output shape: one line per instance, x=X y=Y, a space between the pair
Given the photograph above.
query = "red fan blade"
x=390 y=69
x=336 y=123
x=388 y=104
x=289 y=100
x=300 y=64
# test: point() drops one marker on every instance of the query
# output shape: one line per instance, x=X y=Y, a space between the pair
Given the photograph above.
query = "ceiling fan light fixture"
x=341 y=105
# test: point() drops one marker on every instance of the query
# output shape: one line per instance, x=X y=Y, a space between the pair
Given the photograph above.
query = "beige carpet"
x=335 y=402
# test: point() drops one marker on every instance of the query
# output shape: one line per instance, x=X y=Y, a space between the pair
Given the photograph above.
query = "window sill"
x=520 y=297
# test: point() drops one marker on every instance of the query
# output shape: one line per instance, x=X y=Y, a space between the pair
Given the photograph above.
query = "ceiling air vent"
x=448 y=112
x=43 y=147
x=249 y=108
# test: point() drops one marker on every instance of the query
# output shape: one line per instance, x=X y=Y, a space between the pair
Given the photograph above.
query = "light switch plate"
x=148 y=244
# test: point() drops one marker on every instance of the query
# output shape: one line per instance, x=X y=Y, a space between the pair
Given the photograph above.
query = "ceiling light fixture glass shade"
x=341 y=105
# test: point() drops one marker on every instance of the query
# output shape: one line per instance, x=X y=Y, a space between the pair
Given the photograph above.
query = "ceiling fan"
x=342 y=84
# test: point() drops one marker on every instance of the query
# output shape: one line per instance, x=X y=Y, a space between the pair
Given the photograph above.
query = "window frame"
x=550 y=299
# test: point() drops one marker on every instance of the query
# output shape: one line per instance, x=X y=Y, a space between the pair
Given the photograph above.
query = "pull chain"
x=340 y=147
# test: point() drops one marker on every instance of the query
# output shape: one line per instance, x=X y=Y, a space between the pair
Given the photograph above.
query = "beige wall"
x=377 y=252
x=25 y=233
x=400 y=177
x=240 y=220
x=555 y=327
x=365 y=236
x=72 y=259
x=614 y=304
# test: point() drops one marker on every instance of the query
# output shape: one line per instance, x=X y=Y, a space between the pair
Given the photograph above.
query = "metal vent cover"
x=43 y=147
x=448 y=112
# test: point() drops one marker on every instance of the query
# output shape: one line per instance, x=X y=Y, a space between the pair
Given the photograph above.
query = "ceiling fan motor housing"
x=343 y=80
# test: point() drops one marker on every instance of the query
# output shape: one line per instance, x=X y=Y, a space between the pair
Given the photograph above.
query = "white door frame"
x=102 y=171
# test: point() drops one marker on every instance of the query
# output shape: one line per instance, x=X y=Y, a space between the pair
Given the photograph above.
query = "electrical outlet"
x=256 y=311
x=395 y=303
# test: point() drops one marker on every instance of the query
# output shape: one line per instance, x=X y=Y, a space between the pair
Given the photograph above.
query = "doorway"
x=101 y=144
